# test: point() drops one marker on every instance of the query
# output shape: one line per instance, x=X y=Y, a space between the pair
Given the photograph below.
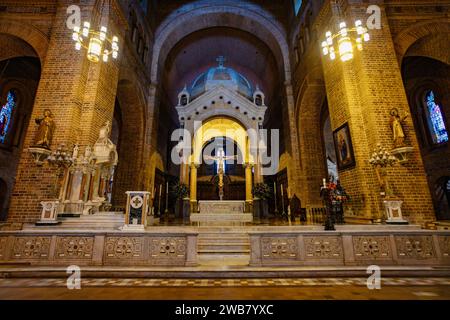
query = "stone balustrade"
x=99 y=248
x=350 y=247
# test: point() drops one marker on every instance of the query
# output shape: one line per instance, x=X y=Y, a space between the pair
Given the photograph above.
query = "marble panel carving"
x=31 y=247
x=279 y=247
x=74 y=247
x=124 y=247
x=371 y=247
x=323 y=247
x=3 y=241
x=167 y=247
x=444 y=245
x=415 y=247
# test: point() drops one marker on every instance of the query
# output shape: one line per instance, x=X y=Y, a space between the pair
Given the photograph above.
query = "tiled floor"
x=279 y=282
x=271 y=289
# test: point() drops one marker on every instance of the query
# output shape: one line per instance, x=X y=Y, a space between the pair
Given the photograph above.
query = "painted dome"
x=221 y=76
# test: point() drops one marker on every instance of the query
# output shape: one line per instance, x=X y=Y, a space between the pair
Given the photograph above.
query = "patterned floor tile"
x=282 y=282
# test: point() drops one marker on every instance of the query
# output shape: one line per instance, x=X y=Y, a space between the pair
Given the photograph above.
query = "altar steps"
x=223 y=244
x=97 y=221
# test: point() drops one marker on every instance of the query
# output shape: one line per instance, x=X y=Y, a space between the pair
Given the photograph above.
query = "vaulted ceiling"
x=198 y=51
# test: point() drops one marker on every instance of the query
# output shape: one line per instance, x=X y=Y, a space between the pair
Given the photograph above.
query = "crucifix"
x=220 y=158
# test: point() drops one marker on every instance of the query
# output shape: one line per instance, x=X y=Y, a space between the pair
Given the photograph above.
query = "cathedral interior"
x=183 y=136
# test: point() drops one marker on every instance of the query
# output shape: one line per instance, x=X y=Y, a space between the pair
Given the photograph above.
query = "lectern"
x=136 y=210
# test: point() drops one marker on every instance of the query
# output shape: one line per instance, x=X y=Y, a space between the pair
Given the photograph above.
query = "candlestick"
x=159 y=200
x=167 y=198
x=275 y=196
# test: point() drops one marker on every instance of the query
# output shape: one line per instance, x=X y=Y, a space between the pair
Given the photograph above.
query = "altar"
x=221 y=212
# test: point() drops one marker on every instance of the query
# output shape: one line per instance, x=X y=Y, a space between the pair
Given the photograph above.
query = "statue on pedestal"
x=397 y=129
x=44 y=135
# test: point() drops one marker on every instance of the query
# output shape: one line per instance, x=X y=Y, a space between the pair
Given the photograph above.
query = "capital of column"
x=194 y=165
x=248 y=165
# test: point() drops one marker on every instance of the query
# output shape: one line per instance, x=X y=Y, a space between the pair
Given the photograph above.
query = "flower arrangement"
x=262 y=191
x=336 y=192
x=180 y=190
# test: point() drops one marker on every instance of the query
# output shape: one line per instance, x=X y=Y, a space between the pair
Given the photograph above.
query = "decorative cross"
x=136 y=202
x=221 y=60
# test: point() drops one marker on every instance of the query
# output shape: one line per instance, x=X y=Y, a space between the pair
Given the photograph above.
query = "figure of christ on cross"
x=220 y=158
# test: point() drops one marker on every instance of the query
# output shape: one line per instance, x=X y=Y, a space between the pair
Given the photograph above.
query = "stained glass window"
x=435 y=119
x=6 y=112
x=297 y=5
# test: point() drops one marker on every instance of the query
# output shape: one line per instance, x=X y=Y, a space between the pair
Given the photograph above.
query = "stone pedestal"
x=394 y=212
x=49 y=215
x=136 y=210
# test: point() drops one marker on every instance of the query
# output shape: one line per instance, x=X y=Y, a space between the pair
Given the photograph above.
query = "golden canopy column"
x=248 y=186
x=193 y=187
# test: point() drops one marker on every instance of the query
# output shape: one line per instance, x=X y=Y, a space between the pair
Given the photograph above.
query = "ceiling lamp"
x=347 y=40
x=96 y=42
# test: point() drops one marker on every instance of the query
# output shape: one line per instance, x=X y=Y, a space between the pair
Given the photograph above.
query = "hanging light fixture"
x=348 y=39
x=97 y=43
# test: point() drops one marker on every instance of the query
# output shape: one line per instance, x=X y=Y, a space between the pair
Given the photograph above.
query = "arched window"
x=436 y=124
x=6 y=113
x=297 y=6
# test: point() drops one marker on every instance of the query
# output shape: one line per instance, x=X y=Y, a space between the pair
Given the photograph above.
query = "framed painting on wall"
x=343 y=146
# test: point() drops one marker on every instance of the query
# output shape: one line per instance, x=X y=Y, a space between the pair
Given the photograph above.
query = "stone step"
x=224 y=247
x=100 y=220
x=224 y=251
x=222 y=241
x=221 y=237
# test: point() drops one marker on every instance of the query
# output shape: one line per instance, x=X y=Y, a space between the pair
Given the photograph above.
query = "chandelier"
x=347 y=39
x=96 y=42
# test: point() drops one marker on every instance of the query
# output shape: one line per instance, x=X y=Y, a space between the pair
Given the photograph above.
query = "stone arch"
x=245 y=16
x=28 y=33
x=406 y=38
x=239 y=117
x=221 y=127
x=309 y=104
x=128 y=175
x=21 y=75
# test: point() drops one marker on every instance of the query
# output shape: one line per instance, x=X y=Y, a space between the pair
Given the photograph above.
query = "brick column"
x=361 y=92
x=81 y=96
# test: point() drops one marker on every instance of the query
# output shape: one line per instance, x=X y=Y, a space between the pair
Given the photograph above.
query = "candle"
x=275 y=188
x=324 y=182
x=282 y=191
x=160 y=190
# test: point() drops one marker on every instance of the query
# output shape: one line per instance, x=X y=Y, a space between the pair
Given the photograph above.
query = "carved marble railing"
x=99 y=249
x=352 y=247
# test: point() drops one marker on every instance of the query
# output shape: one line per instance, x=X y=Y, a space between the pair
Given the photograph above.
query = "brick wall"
x=361 y=92
x=81 y=96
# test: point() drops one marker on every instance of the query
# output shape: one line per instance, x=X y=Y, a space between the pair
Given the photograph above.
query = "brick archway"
x=205 y=14
x=406 y=38
x=309 y=103
x=128 y=174
x=28 y=33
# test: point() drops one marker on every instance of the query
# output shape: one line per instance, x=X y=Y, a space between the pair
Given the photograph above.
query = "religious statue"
x=45 y=131
x=397 y=129
x=220 y=158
